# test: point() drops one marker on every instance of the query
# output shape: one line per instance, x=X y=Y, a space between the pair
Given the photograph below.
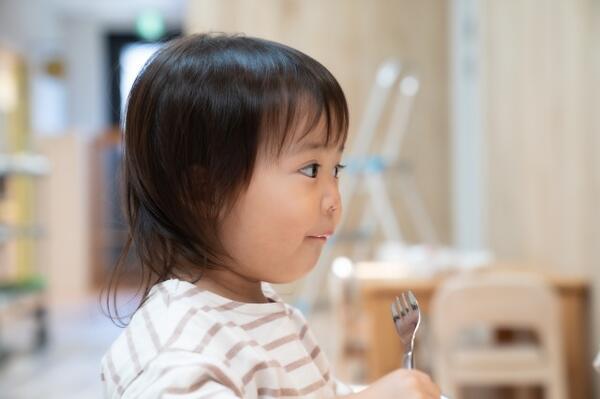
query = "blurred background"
x=472 y=160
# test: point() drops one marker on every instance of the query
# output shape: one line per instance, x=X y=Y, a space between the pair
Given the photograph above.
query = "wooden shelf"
x=22 y=287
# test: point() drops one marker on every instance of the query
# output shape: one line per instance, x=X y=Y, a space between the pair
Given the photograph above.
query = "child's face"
x=271 y=230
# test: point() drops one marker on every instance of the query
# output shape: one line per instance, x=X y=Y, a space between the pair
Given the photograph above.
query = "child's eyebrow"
x=314 y=145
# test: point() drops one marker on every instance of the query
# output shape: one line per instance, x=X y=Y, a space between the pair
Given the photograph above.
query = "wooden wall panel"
x=538 y=132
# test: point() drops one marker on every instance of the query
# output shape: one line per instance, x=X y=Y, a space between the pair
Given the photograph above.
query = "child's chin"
x=291 y=278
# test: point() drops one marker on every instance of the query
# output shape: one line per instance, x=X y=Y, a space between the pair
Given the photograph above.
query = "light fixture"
x=150 y=25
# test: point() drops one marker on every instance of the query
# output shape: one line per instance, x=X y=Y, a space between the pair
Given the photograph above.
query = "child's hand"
x=402 y=383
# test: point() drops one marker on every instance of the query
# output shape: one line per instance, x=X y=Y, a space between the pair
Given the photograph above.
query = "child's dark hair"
x=197 y=116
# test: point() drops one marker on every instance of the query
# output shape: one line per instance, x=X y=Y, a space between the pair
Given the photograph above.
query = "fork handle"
x=409 y=363
x=408 y=360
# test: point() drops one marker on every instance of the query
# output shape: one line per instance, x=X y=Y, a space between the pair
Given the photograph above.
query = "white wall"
x=87 y=81
x=73 y=31
x=468 y=174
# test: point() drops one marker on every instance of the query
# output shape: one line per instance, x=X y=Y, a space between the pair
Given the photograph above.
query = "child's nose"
x=332 y=201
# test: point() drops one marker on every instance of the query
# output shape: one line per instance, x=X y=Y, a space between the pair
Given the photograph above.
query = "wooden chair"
x=496 y=300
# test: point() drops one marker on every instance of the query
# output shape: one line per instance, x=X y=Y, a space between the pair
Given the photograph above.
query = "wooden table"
x=378 y=284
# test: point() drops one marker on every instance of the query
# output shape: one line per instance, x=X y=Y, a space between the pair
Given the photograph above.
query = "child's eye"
x=311 y=170
x=338 y=168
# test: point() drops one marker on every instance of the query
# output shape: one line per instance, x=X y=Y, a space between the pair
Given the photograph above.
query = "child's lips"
x=322 y=237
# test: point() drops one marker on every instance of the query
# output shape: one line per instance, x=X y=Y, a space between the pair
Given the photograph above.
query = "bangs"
x=291 y=110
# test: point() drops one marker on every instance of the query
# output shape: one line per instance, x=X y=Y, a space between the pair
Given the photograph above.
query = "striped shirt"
x=185 y=342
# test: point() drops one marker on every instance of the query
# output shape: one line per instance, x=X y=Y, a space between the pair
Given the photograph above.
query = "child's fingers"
x=432 y=389
x=423 y=383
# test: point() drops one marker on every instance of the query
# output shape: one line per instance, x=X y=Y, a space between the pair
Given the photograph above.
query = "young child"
x=232 y=155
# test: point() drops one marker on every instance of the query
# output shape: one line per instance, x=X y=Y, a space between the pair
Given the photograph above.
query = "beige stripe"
x=221 y=308
x=187 y=293
x=303 y=331
x=208 y=337
x=303 y=361
x=306 y=360
x=190 y=389
x=292 y=391
x=281 y=341
x=112 y=373
x=229 y=306
x=192 y=291
x=315 y=352
x=277 y=393
x=260 y=366
x=238 y=347
x=164 y=294
x=132 y=352
x=132 y=380
x=150 y=328
x=298 y=363
x=263 y=320
x=206 y=308
x=181 y=326
x=297 y=316
x=313 y=387
x=214 y=374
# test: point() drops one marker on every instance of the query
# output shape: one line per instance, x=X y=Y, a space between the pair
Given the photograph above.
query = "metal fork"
x=407 y=318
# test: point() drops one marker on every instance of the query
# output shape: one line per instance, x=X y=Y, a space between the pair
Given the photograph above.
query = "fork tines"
x=401 y=307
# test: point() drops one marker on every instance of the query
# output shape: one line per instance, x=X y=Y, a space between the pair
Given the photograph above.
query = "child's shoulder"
x=176 y=313
x=176 y=318
x=181 y=324
x=172 y=311
x=179 y=309
x=171 y=327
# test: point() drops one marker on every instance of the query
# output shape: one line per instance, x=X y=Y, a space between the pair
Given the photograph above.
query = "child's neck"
x=233 y=286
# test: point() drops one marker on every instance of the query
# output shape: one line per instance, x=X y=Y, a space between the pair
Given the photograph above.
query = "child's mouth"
x=320 y=237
